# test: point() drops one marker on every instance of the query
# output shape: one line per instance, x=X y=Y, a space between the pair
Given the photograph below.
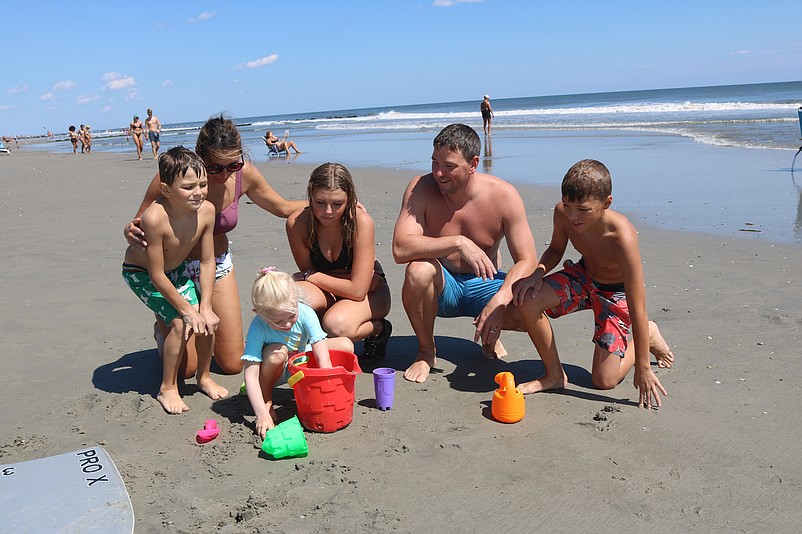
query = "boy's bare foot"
x=496 y=353
x=419 y=370
x=171 y=401
x=212 y=389
x=659 y=348
x=543 y=383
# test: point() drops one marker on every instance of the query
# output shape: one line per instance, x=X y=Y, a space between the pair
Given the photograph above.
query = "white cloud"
x=450 y=3
x=85 y=99
x=116 y=81
x=167 y=83
x=131 y=94
x=106 y=109
x=47 y=96
x=741 y=53
x=18 y=89
x=202 y=17
x=64 y=85
x=4 y=108
x=261 y=62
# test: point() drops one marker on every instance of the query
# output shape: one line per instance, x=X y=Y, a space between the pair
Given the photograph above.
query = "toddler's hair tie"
x=264 y=270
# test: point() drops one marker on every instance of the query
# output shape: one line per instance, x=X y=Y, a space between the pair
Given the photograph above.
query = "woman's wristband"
x=306 y=274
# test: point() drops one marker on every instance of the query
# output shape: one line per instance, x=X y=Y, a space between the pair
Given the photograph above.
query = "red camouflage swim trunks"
x=577 y=291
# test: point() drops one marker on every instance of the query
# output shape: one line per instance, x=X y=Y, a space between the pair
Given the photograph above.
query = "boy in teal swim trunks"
x=608 y=280
x=175 y=224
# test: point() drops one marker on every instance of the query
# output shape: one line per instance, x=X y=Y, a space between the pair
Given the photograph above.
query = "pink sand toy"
x=508 y=402
x=209 y=432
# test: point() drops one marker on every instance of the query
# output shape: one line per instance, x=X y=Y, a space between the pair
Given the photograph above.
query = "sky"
x=100 y=63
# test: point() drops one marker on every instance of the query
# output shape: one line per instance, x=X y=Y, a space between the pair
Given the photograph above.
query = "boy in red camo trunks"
x=608 y=279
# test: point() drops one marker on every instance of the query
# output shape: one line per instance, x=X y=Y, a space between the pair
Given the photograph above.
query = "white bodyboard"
x=76 y=492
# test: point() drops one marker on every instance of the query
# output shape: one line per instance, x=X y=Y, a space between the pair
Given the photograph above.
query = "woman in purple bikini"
x=230 y=176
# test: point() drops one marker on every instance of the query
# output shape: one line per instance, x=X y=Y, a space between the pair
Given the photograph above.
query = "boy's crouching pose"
x=608 y=279
x=175 y=224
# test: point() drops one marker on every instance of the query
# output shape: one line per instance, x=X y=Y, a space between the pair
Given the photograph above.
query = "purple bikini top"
x=226 y=220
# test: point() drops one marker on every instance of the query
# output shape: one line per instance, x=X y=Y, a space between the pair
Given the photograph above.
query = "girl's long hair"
x=333 y=177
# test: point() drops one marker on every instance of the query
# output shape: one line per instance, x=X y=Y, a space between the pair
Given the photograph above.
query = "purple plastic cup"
x=384 y=386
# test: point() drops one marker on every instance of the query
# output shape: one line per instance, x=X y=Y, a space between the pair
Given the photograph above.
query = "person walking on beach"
x=135 y=129
x=607 y=279
x=88 y=138
x=448 y=232
x=333 y=244
x=230 y=177
x=82 y=138
x=74 y=139
x=176 y=224
x=487 y=114
x=154 y=130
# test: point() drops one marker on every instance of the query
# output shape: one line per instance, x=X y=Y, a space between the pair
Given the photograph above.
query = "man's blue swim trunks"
x=466 y=295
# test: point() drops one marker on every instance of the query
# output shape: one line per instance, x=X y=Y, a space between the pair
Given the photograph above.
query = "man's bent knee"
x=420 y=274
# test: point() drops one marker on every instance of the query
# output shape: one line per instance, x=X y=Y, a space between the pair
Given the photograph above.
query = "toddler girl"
x=284 y=325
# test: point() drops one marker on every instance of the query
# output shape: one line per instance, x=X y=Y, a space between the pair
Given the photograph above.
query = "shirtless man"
x=448 y=233
x=154 y=129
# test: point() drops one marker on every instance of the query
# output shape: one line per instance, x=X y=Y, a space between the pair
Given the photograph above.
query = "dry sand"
x=79 y=368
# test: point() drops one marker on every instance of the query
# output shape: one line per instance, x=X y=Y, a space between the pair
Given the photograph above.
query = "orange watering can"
x=508 y=403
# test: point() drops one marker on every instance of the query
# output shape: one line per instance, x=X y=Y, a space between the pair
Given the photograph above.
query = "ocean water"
x=707 y=159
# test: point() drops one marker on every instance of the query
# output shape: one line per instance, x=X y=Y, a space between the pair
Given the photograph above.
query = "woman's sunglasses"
x=231 y=167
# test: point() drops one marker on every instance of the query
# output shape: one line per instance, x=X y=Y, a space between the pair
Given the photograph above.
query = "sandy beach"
x=81 y=369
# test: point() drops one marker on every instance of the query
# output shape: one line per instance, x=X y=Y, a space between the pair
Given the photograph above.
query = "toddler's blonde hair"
x=274 y=290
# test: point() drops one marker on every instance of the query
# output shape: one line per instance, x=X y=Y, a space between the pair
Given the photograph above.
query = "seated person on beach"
x=174 y=224
x=334 y=247
x=283 y=326
x=608 y=279
x=282 y=145
x=448 y=233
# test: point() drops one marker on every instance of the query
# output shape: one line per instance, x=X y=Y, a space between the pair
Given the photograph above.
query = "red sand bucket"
x=324 y=397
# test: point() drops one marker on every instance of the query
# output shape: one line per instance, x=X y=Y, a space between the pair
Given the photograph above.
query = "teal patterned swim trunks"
x=139 y=281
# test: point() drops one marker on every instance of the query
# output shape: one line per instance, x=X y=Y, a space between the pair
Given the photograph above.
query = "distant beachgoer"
x=154 y=131
x=284 y=326
x=333 y=244
x=177 y=223
x=88 y=138
x=74 y=140
x=608 y=279
x=82 y=138
x=230 y=176
x=487 y=114
x=282 y=145
x=136 y=132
